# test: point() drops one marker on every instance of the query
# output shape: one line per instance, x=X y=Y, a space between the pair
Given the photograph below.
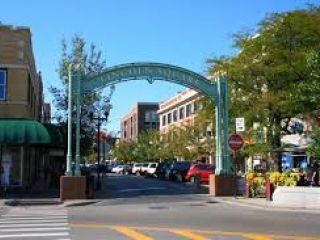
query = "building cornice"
x=15 y=66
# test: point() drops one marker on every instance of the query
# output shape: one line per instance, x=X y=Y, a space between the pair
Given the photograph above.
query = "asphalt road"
x=144 y=208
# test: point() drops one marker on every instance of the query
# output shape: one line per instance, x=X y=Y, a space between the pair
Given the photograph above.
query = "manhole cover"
x=210 y=202
x=196 y=205
x=158 y=207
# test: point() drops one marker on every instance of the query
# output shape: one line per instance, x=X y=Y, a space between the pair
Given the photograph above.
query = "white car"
x=120 y=169
x=136 y=168
x=140 y=168
x=151 y=169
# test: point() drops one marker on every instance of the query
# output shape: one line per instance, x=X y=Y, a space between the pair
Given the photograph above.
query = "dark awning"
x=55 y=135
x=22 y=131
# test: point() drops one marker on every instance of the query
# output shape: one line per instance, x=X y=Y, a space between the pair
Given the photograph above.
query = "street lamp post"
x=104 y=110
x=98 y=156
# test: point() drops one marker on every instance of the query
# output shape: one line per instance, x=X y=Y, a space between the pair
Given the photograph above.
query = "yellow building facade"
x=22 y=136
x=20 y=84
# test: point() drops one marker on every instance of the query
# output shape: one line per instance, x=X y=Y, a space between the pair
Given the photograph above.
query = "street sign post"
x=240 y=126
x=235 y=142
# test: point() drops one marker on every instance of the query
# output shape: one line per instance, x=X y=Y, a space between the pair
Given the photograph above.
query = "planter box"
x=221 y=185
x=72 y=188
x=303 y=197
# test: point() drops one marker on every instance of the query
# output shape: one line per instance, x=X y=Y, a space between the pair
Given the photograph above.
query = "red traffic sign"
x=235 y=142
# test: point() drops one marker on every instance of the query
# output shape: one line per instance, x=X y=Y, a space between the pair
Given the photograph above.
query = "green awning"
x=23 y=132
x=55 y=135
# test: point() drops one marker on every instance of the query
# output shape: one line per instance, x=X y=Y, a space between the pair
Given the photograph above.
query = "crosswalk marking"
x=36 y=218
x=34 y=229
x=59 y=234
x=35 y=223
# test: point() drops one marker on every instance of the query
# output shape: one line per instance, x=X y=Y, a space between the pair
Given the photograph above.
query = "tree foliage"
x=314 y=149
x=274 y=76
x=88 y=60
x=176 y=144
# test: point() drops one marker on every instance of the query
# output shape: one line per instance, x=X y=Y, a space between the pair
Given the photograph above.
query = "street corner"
x=79 y=202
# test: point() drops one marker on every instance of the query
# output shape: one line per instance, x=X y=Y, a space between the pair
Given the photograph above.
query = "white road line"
x=34 y=235
x=34 y=215
x=35 y=218
x=36 y=221
x=35 y=229
x=33 y=225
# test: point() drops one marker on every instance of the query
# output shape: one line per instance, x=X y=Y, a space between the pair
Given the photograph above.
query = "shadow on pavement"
x=117 y=186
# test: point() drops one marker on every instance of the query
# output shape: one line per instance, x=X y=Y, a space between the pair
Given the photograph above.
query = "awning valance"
x=22 y=131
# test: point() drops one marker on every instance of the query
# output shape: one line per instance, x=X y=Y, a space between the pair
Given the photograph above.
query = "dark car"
x=162 y=169
x=178 y=171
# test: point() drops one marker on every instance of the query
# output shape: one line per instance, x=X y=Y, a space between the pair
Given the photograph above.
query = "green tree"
x=270 y=78
x=125 y=151
x=148 y=145
x=90 y=61
x=314 y=149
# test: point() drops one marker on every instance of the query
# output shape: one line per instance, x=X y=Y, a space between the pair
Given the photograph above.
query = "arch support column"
x=222 y=128
x=69 y=151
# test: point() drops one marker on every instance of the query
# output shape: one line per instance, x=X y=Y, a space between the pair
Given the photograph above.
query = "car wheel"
x=138 y=173
x=179 y=177
x=193 y=179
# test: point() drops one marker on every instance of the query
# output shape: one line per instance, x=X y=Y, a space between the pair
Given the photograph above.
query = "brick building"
x=143 y=116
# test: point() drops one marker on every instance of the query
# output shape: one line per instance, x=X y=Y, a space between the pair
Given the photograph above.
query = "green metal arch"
x=150 y=72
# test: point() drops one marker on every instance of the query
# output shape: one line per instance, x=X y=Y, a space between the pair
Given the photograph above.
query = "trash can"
x=90 y=187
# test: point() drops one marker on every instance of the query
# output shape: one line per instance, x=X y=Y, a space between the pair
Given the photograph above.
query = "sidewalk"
x=263 y=204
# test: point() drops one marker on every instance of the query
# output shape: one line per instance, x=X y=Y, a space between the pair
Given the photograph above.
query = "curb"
x=268 y=207
x=16 y=202
x=79 y=204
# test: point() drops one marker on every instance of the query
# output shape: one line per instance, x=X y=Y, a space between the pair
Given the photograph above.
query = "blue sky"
x=180 y=32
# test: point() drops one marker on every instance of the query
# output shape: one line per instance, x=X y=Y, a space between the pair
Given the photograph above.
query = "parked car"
x=141 y=168
x=178 y=171
x=110 y=166
x=121 y=169
x=151 y=169
x=161 y=170
x=199 y=172
x=136 y=168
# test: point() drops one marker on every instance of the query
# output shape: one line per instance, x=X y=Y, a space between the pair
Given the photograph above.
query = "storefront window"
x=11 y=173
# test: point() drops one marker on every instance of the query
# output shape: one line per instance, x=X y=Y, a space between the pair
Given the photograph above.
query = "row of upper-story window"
x=180 y=113
x=3 y=90
x=3 y=84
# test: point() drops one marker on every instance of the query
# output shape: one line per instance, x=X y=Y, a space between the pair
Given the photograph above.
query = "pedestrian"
x=315 y=174
x=308 y=174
